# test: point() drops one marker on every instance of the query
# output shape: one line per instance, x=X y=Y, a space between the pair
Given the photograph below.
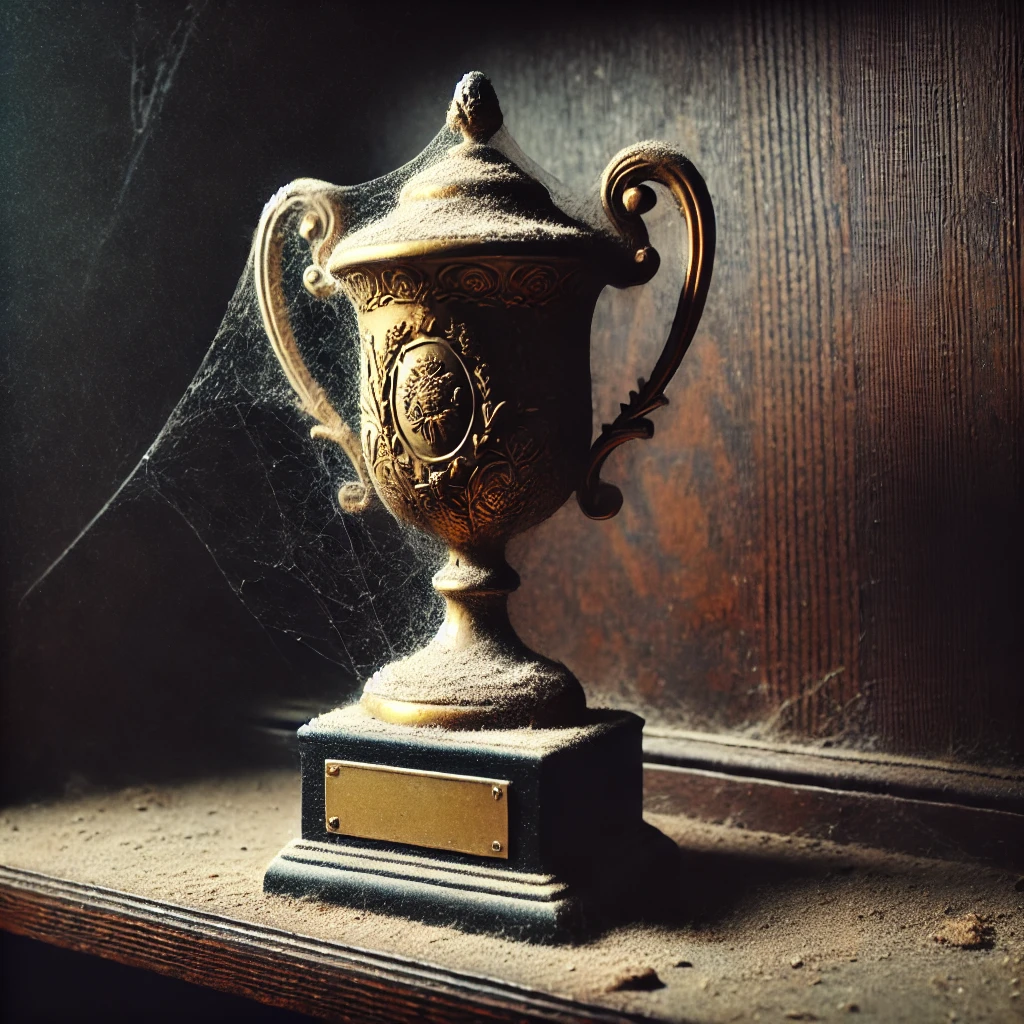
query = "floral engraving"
x=473 y=279
x=369 y=288
x=360 y=287
x=501 y=283
x=401 y=284
x=533 y=283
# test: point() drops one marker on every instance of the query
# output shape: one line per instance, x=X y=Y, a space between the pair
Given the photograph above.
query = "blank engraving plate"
x=461 y=813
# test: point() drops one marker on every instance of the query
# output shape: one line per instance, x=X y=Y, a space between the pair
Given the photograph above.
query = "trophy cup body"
x=471 y=784
x=475 y=425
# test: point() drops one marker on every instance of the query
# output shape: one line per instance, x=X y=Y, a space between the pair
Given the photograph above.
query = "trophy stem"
x=475 y=673
x=475 y=589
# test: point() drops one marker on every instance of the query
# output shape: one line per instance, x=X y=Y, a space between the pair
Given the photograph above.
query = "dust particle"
x=967 y=932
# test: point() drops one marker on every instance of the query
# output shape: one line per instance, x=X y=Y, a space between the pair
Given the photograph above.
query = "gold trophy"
x=471 y=784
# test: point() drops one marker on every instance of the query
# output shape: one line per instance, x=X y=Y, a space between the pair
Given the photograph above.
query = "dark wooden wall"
x=823 y=538
x=821 y=542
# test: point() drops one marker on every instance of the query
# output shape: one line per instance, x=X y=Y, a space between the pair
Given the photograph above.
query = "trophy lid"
x=475 y=200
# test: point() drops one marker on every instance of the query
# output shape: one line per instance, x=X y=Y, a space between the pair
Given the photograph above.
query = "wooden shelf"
x=273 y=966
x=169 y=878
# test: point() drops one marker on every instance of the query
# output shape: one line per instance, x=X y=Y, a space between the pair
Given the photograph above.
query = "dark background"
x=822 y=543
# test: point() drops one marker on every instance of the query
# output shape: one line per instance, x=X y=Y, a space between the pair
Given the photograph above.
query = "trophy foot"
x=474 y=689
x=476 y=673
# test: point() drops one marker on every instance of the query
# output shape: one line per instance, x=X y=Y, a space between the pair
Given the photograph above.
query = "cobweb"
x=236 y=461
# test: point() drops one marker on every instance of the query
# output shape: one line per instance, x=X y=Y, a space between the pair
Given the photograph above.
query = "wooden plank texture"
x=915 y=827
x=936 y=185
x=839 y=770
x=320 y=978
x=823 y=538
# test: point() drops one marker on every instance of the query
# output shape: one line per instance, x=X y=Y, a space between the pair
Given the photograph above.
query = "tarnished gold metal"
x=474 y=293
x=431 y=809
x=444 y=716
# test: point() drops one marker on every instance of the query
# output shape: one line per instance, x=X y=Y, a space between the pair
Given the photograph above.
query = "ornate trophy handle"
x=320 y=225
x=625 y=199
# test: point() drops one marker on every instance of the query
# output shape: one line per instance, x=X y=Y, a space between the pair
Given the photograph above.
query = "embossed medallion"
x=432 y=399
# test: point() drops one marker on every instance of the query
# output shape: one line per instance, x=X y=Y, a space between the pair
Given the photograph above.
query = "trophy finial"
x=474 y=109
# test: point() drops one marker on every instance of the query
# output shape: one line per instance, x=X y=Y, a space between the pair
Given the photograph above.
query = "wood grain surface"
x=901 y=804
x=823 y=538
x=916 y=827
x=324 y=979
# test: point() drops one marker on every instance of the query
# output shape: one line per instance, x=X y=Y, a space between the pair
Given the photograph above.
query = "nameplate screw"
x=333 y=823
x=496 y=792
x=496 y=846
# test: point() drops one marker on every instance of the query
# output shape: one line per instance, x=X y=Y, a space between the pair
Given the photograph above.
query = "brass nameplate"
x=461 y=813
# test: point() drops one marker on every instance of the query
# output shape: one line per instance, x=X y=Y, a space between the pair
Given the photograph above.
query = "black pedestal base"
x=580 y=856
